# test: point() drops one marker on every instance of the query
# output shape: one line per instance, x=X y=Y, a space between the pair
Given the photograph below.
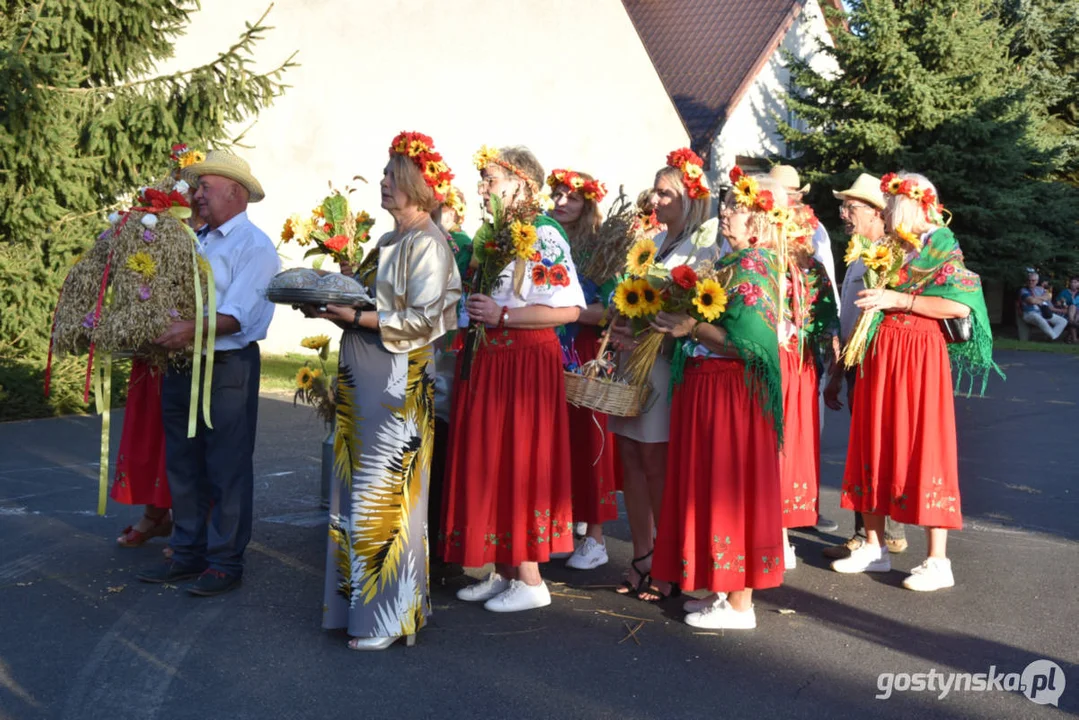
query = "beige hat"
x=866 y=188
x=225 y=164
x=787 y=176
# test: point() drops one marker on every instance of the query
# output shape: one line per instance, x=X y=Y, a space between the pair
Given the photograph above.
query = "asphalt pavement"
x=80 y=638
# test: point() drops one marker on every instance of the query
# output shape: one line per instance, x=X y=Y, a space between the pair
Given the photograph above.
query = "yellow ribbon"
x=196 y=361
x=102 y=376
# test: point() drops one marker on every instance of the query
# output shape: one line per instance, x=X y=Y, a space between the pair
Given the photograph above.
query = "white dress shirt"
x=244 y=261
x=822 y=251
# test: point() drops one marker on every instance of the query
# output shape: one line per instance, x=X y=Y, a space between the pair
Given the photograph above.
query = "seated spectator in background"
x=1068 y=301
x=1034 y=302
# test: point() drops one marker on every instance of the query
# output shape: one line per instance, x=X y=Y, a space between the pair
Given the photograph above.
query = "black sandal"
x=628 y=589
x=675 y=591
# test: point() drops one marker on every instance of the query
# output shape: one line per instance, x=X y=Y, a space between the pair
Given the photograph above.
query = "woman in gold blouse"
x=376 y=564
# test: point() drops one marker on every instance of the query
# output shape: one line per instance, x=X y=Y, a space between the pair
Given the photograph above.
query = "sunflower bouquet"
x=314 y=386
x=332 y=228
x=884 y=261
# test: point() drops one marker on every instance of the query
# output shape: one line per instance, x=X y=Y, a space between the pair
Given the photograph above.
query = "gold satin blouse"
x=417 y=287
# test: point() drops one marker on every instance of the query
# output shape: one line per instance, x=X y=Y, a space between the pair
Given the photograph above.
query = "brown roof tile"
x=706 y=51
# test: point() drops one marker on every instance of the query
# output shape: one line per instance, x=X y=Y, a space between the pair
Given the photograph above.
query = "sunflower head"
x=629 y=297
x=878 y=258
x=710 y=299
x=305 y=378
x=641 y=257
x=854 y=251
x=908 y=237
x=651 y=301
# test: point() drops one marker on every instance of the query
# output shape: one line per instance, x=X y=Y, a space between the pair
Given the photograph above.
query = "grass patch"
x=279 y=371
x=1057 y=348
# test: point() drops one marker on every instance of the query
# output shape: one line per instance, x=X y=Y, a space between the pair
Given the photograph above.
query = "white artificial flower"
x=149 y=220
x=114 y=217
x=181 y=186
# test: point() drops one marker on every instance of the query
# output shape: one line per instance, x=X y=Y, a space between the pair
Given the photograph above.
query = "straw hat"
x=225 y=164
x=787 y=176
x=866 y=188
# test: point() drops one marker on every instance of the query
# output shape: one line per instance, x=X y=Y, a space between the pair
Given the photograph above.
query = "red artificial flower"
x=337 y=243
x=684 y=277
x=327 y=227
x=765 y=201
x=682 y=156
x=736 y=174
x=886 y=181
x=539 y=275
x=558 y=275
x=177 y=198
x=929 y=198
x=906 y=187
x=696 y=191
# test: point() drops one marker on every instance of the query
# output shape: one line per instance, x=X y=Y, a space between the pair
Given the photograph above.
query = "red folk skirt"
x=799 y=460
x=593 y=471
x=721 y=526
x=140 y=467
x=507 y=489
x=902 y=459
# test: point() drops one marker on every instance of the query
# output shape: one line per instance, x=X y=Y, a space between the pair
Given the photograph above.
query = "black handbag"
x=957 y=330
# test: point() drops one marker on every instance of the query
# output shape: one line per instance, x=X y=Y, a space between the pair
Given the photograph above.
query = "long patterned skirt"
x=799 y=460
x=720 y=528
x=507 y=494
x=902 y=460
x=376 y=563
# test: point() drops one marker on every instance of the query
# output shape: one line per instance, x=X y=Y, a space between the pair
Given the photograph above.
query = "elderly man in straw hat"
x=861 y=211
x=211 y=475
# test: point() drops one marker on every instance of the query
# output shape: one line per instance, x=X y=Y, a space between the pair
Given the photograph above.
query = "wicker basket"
x=611 y=397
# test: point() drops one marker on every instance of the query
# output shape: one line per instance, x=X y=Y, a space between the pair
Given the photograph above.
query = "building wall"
x=750 y=131
x=569 y=79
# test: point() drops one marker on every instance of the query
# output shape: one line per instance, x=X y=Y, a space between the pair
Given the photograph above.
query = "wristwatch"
x=356 y=319
x=504 y=318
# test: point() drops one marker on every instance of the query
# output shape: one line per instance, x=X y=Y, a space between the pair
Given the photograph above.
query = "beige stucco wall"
x=751 y=129
x=568 y=78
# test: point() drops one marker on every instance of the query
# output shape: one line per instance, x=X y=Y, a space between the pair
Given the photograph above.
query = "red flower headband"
x=892 y=184
x=692 y=168
x=592 y=190
x=747 y=192
x=420 y=149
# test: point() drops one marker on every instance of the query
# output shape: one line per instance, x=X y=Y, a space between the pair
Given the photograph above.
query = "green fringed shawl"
x=823 y=318
x=939 y=271
x=750 y=278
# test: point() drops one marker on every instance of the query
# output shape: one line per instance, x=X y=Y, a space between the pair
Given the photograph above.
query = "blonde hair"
x=694 y=212
x=905 y=212
x=768 y=233
x=409 y=179
x=458 y=208
x=586 y=226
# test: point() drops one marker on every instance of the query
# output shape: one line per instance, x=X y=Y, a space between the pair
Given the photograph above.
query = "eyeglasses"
x=852 y=207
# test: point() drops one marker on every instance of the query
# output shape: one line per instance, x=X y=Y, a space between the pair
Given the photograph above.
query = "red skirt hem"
x=593 y=472
x=799 y=460
x=720 y=526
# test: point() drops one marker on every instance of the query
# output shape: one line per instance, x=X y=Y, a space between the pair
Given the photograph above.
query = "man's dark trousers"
x=213 y=472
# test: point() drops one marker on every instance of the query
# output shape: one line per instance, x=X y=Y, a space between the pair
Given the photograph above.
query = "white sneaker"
x=520 y=596
x=721 y=616
x=933 y=574
x=867 y=558
x=694 y=605
x=484 y=589
x=589 y=554
x=790 y=560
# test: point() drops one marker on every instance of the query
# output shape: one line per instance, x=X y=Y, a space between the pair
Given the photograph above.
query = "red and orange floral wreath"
x=892 y=184
x=692 y=167
x=592 y=190
x=420 y=149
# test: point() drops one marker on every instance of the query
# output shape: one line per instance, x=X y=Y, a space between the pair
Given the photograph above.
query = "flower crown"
x=692 y=168
x=456 y=203
x=184 y=156
x=420 y=149
x=490 y=156
x=892 y=184
x=592 y=190
x=747 y=193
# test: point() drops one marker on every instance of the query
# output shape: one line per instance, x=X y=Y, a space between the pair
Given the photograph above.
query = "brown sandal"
x=161 y=527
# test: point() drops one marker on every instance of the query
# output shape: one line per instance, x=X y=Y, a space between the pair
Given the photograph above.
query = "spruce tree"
x=83 y=122
x=930 y=86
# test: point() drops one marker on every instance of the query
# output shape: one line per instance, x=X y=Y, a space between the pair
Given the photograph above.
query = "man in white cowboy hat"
x=211 y=476
x=861 y=210
x=788 y=178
